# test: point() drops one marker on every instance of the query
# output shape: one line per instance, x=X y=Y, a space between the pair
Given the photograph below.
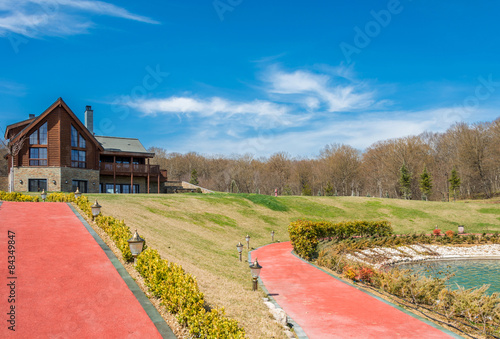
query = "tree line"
x=462 y=162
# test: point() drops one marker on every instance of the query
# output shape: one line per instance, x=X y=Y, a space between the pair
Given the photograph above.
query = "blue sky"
x=241 y=76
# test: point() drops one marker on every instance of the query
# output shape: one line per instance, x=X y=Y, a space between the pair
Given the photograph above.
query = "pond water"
x=468 y=273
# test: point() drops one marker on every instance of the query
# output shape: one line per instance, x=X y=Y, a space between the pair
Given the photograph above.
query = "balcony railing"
x=109 y=168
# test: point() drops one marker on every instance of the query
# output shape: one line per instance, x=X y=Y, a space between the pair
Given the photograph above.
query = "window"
x=43 y=134
x=38 y=156
x=78 y=159
x=39 y=137
x=37 y=185
x=109 y=188
x=121 y=188
x=74 y=137
x=82 y=143
x=81 y=184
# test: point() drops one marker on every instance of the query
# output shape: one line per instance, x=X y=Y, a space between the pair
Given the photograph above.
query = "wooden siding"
x=59 y=141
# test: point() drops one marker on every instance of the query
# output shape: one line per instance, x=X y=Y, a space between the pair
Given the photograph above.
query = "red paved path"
x=327 y=308
x=66 y=287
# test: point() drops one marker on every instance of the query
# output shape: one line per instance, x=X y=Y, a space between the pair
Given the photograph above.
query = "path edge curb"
x=299 y=332
x=160 y=324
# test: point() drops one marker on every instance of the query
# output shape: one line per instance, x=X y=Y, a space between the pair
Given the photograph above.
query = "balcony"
x=108 y=168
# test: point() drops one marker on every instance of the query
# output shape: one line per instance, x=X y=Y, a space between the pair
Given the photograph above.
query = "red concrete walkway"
x=65 y=286
x=327 y=308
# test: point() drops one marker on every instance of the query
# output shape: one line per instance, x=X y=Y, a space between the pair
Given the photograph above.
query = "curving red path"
x=326 y=307
x=65 y=285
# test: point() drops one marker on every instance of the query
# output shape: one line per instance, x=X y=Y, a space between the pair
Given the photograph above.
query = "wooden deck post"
x=131 y=175
x=114 y=174
x=149 y=170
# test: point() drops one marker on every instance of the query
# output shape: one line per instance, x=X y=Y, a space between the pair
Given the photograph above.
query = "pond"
x=468 y=273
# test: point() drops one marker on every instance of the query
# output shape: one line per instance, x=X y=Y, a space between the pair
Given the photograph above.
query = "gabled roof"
x=122 y=145
x=17 y=124
x=57 y=103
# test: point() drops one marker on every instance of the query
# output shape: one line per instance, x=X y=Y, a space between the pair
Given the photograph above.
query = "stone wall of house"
x=58 y=178
x=68 y=174
x=4 y=184
x=141 y=181
x=23 y=174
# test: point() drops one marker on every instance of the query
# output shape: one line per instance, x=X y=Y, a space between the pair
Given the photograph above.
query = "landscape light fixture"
x=44 y=195
x=247 y=238
x=272 y=236
x=255 y=268
x=136 y=244
x=96 y=209
x=77 y=193
x=460 y=229
x=239 y=247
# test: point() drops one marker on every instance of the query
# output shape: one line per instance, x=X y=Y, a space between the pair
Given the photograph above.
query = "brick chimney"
x=89 y=119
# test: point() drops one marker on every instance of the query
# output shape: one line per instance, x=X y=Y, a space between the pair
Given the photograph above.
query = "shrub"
x=181 y=296
x=436 y=231
x=14 y=196
x=450 y=234
x=305 y=234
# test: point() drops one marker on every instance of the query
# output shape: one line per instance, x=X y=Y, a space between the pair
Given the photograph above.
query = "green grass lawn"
x=200 y=232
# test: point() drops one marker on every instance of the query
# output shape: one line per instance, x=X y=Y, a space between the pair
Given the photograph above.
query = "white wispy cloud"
x=288 y=99
x=39 y=18
x=256 y=113
x=339 y=93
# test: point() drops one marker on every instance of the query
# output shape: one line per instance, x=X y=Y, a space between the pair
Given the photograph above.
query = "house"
x=55 y=151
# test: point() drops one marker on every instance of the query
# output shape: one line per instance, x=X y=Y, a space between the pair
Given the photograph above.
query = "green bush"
x=305 y=234
x=180 y=294
x=14 y=196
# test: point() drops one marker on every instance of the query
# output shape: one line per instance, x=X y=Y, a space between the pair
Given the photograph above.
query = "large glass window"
x=78 y=159
x=43 y=134
x=82 y=143
x=38 y=156
x=81 y=184
x=37 y=185
x=34 y=138
x=39 y=137
x=121 y=188
x=74 y=137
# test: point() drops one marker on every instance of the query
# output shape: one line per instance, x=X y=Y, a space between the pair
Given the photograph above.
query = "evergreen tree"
x=454 y=182
x=426 y=184
x=194 y=177
x=306 y=190
x=405 y=182
x=328 y=189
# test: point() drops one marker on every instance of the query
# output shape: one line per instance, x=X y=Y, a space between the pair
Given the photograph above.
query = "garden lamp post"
x=272 y=236
x=136 y=244
x=96 y=209
x=247 y=238
x=77 y=193
x=255 y=268
x=44 y=195
x=239 y=247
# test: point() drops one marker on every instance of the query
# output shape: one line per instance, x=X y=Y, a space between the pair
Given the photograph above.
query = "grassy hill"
x=200 y=232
